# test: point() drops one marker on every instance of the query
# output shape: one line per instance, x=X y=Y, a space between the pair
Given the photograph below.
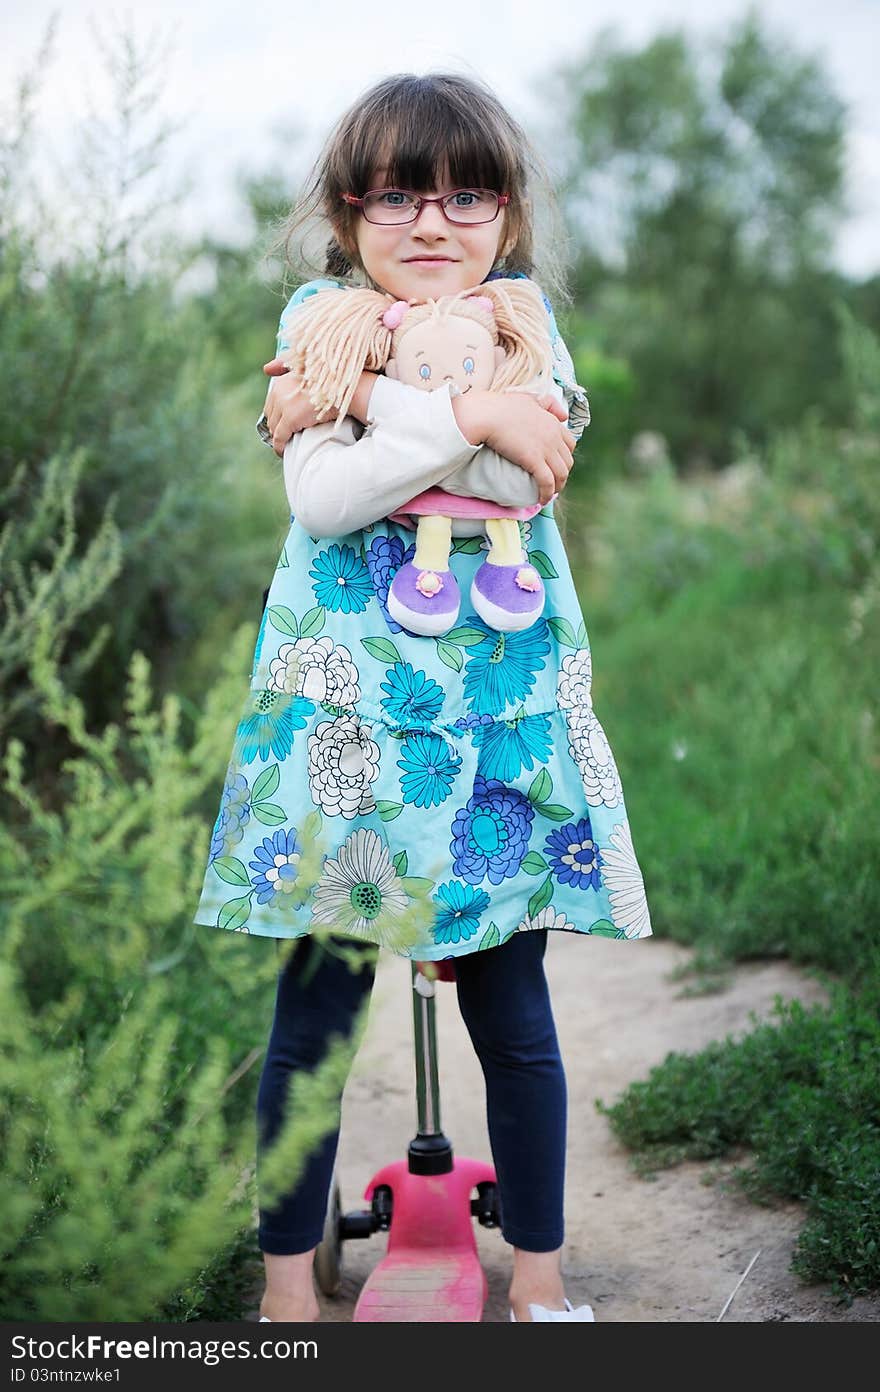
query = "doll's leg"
x=433 y=543
x=506 y=543
x=423 y=595
x=507 y=592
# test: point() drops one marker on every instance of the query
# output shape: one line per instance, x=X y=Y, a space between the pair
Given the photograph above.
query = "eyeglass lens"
x=399 y=205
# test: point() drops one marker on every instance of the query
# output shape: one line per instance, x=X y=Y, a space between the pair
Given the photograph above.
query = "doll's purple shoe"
x=508 y=597
x=424 y=601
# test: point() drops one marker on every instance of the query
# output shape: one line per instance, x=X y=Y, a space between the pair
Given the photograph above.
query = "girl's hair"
x=334 y=336
x=413 y=127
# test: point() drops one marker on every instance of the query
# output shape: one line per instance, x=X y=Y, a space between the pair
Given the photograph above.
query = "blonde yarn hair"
x=336 y=335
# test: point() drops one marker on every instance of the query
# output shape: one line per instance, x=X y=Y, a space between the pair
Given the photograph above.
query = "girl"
x=463 y=783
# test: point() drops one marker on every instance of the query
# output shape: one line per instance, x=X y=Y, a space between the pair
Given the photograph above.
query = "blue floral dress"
x=432 y=795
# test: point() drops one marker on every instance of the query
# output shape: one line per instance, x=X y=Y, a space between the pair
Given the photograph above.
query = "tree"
x=704 y=185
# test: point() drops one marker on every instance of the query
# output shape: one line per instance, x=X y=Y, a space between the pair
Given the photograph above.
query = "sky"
x=252 y=82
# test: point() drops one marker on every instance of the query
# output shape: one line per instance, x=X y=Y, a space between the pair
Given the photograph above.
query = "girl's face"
x=431 y=256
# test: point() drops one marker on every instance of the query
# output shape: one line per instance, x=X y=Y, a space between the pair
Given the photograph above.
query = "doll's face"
x=455 y=350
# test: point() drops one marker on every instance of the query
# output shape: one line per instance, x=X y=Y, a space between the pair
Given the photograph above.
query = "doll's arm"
x=340 y=478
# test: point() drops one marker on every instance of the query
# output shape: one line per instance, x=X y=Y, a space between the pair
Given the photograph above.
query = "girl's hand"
x=288 y=408
x=528 y=430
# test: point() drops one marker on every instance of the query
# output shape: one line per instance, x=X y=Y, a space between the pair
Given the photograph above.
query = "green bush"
x=803 y=1095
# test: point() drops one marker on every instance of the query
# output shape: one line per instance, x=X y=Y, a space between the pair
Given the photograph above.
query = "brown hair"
x=415 y=127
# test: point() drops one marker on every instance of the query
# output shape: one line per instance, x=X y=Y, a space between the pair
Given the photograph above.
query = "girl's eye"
x=468 y=364
x=394 y=198
x=466 y=198
x=424 y=372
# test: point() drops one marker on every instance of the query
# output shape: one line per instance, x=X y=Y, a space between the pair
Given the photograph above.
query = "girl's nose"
x=430 y=220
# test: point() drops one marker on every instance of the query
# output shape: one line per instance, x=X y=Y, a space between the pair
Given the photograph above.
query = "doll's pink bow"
x=394 y=313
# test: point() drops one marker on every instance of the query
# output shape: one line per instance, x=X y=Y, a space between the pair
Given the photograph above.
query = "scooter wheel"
x=328 y=1253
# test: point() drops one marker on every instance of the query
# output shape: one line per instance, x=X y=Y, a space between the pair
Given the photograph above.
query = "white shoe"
x=264 y=1319
x=540 y=1312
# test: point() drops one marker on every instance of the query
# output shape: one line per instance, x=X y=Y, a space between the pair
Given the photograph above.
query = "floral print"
x=490 y=836
x=276 y=861
x=342 y=581
x=429 y=795
x=343 y=762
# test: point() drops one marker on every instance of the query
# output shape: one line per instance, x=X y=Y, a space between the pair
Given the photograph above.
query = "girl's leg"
x=505 y=1004
x=318 y=996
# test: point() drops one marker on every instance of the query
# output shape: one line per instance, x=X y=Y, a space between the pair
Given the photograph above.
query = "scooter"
x=431 y=1271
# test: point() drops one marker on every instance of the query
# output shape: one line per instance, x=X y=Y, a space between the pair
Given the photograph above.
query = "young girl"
x=467 y=772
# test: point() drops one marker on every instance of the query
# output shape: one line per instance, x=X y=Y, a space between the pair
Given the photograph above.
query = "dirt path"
x=671 y=1249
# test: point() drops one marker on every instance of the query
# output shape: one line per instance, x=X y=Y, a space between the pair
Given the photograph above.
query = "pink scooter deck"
x=431 y=1272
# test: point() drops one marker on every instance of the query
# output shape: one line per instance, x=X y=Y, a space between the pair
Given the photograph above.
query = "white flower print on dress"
x=592 y=754
x=575 y=680
x=317 y=669
x=547 y=918
x=343 y=762
x=360 y=892
x=626 y=888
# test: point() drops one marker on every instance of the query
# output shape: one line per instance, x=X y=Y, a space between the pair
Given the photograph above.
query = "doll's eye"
x=468 y=364
x=424 y=372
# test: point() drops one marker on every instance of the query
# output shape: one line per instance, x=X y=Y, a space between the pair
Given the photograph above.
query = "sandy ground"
x=668 y=1249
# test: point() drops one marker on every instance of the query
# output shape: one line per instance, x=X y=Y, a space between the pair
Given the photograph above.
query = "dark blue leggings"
x=505 y=1004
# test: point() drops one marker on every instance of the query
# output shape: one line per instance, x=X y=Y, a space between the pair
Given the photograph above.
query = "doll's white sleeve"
x=340 y=478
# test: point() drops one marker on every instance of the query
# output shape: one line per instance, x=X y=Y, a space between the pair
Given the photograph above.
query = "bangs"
x=412 y=134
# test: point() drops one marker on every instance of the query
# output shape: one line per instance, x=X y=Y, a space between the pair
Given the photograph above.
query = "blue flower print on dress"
x=458 y=917
x=411 y=697
x=490 y=836
x=501 y=669
x=342 y=581
x=429 y=768
x=573 y=855
x=506 y=747
x=385 y=556
x=269 y=728
x=276 y=862
x=235 y=813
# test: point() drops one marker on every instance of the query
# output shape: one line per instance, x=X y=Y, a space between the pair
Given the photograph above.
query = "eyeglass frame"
x=354 y=201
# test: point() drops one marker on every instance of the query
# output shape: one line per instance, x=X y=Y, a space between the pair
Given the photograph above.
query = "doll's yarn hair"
x=336 y=335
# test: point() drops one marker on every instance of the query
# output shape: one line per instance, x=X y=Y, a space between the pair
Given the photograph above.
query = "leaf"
x=541 y=898
x=542 y=787
x=416 y=886
x=563 y=632
x=266 y=784
x=312 y=824
x=554 y=811
x=234 y=913
x=582 y=636
x=491 y=937
x=283 y=562
x=450 y=655
x=604 y=928
x=313 y=622
x=382 y=648
x=269 y=813
x=464 y=636
x=543 y=565
x=230 y=869
x=389 y=810
x=469 y=545
x=284 y=620
x=401 y=862
x=534 y=864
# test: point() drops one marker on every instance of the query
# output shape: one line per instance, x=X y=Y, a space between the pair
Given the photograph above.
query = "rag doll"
x=495 y=337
